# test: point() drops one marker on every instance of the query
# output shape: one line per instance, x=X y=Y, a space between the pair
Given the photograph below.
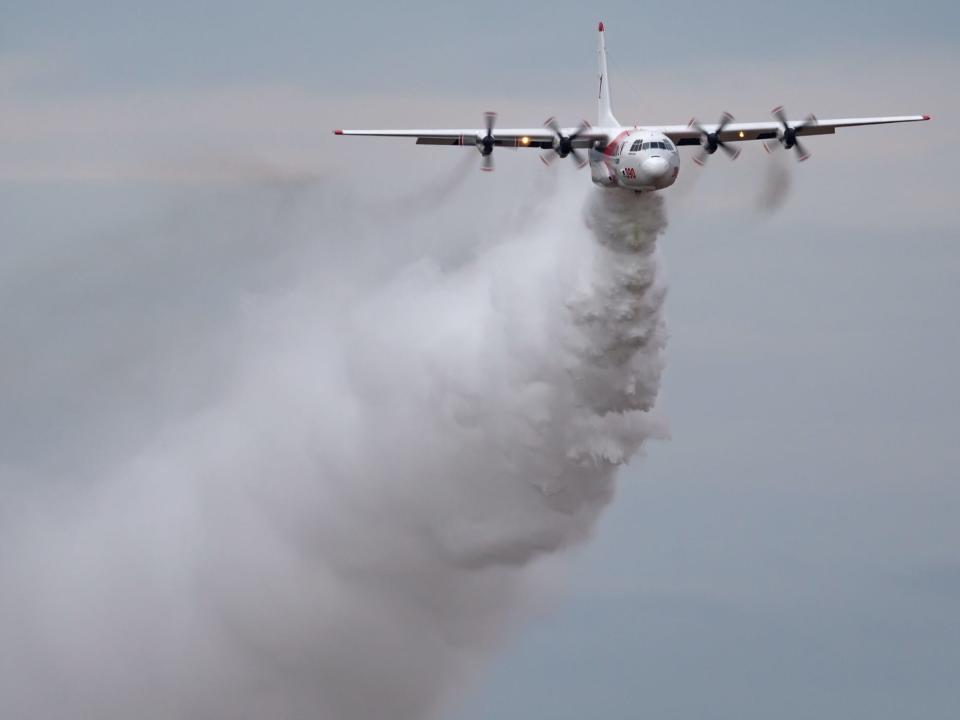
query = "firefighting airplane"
x=643 y=157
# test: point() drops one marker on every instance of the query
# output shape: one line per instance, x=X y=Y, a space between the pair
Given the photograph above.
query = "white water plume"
x=343 y=527
x=776 y=182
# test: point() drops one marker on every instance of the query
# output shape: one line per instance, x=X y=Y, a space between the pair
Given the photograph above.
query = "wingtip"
x=926 y=117
x=338 y=132
x=600 y=26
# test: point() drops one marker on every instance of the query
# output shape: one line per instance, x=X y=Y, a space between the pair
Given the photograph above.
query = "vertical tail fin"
x=605 y=116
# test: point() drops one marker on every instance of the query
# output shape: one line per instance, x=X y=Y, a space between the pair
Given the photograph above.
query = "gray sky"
x=793 y=550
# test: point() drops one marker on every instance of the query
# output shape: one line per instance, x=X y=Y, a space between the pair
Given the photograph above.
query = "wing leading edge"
x=510 y=137
x=680 y=134
x=769 y=130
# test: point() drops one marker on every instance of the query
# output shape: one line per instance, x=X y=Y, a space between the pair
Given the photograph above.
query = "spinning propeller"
x=787 y=137
x=485 y=144
x=563 y=144
x=710 y=141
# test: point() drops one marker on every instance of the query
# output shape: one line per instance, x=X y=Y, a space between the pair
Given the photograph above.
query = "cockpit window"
x=636 y=146
x=668 y=145
x=646 y=146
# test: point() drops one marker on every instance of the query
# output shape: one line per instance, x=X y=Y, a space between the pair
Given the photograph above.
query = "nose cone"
x=655 y=167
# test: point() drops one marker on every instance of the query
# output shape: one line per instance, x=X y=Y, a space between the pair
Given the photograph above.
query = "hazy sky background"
x=793 y=550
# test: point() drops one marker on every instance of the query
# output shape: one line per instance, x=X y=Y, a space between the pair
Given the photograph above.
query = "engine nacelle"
x=602 y=174
x=787 y=137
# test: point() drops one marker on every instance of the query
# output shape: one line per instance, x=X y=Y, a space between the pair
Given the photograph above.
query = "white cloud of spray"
x=343 y=521
x=775 y=189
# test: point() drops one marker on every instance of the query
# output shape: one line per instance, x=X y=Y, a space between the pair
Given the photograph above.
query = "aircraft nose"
x=655 y=167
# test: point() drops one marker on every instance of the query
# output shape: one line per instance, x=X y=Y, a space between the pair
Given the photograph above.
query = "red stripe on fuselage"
x=608 y=150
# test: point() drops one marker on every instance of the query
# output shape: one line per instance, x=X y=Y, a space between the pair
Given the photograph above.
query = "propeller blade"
x=695 y=124
x=780 y=115
x=584 y=126
x=486 y=164
x=489 y=119
x=562 y=145
x=732 y=153
x=710 y=141
x=789 y=137
x=725 y=120
x=809 y=121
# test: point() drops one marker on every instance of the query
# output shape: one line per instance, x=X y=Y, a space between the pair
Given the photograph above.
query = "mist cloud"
x=310 y=465
x=775 y=190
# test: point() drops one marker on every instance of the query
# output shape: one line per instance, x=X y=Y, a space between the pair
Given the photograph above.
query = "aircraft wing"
x=769 y=130
x=509 y=137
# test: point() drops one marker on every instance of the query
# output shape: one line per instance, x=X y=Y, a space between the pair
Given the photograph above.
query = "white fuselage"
x=637 y=160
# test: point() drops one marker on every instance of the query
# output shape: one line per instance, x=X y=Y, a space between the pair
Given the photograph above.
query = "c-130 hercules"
x=643 y=157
